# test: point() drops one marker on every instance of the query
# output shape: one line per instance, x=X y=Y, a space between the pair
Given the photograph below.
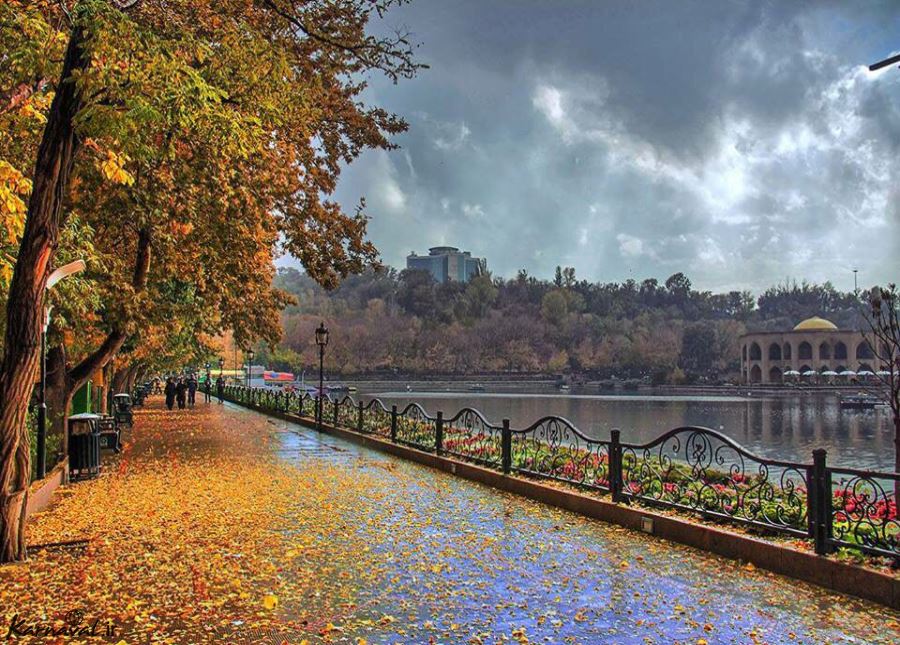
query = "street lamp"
x=250 y=356
x=321 y=341
x=56 y=276
x=884 y=63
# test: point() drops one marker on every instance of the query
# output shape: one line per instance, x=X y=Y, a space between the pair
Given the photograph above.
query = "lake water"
x=786 y=428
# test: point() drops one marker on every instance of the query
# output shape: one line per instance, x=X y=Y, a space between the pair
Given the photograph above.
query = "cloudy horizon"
x=742 y=143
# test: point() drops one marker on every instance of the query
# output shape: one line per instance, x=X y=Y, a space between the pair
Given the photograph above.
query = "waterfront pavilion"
x=813 y=345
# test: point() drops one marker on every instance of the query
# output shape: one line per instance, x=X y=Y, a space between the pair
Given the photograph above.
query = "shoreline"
x=492 y=384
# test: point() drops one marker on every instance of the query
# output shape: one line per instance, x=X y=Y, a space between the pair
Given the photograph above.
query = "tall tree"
x=218 y=68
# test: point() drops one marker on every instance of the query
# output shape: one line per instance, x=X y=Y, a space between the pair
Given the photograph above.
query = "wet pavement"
x=461 y=561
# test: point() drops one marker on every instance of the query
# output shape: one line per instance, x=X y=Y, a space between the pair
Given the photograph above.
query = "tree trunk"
x=132 y=373
x=24 y=309
x=118 y=380
x=59 y=398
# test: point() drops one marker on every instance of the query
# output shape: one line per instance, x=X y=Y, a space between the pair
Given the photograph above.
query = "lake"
x=786 y=428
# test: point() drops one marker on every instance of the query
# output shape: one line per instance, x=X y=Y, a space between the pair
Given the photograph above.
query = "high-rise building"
x=448 y=264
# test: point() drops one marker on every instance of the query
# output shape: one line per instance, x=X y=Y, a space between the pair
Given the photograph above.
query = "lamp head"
x=322 y=335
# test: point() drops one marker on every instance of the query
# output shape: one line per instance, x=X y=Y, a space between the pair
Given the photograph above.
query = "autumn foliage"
x=178 y=147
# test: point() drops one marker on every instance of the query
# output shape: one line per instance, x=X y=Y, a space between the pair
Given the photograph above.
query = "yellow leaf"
x=270 y=601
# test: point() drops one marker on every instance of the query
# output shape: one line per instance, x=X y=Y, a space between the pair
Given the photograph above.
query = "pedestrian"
x=207 y=388
x=181 y=392
x=220 y=389
x=170 y=392
x=192 y=390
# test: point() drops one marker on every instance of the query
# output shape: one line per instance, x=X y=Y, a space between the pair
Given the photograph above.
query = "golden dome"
x=816 y=324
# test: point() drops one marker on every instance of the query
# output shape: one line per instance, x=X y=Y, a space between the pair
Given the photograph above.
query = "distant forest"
x=388 y=322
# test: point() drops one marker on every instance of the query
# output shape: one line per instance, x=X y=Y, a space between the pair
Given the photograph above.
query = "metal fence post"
x=394 y=423
x=439 y=433
x=359 y=422
x=615 y=466
x=318 y=411
x=819 y=502
x=506 y=447
x=337 y=407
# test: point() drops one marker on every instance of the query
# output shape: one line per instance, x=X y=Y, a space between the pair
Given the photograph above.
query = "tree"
x=554 y=307
x=699 y=346
x=679 y=287
x=479 y=296
x=884 y=339
x=183 y=72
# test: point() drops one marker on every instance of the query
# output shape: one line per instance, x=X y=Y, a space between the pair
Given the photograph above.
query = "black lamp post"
x=250 y=355
x=42 y=408
x=321 y=341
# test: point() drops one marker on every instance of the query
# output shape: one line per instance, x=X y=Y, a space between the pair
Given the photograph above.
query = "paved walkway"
x=222 y=525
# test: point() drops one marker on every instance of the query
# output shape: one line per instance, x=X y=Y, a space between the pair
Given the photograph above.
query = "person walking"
x=192 y=390
x=180 y=392
x=170 y=392
x=207 y=388
x=220 y=389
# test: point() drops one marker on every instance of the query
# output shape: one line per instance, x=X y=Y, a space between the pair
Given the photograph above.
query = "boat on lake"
x=859 y=402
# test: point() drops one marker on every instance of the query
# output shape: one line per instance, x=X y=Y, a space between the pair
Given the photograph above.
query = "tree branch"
x=79 y=374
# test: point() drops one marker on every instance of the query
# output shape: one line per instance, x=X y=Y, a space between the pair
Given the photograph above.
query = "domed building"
x=813 y=345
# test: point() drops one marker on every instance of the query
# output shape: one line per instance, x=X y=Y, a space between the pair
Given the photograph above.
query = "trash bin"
x=122 y=409
x=84 y=446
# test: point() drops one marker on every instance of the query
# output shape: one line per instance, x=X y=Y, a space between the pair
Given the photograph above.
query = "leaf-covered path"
x=221 y=525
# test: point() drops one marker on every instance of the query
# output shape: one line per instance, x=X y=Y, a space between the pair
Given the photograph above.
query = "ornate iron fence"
x=468 y=435
x=691 y=469
x=699 y=470
x=553 y=448
x=863 y=510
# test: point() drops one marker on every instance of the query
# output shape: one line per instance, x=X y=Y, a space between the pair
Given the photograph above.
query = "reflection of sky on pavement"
x=463 y=560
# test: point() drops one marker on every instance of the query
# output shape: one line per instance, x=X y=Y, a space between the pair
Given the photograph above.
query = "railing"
x=690 y=469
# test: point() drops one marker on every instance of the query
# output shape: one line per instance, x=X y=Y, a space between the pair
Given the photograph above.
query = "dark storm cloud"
x=741 y=142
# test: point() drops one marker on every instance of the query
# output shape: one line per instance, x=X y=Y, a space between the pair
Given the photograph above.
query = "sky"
x=741 y=142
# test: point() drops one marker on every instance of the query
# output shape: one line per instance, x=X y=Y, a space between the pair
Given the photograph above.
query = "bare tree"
x=883 y=338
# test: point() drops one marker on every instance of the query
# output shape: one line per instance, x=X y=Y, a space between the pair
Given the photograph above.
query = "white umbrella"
x=829 y=373
x=792 y=373
x=848 y=373
x=883 y=373
x=865 y=373
x=809 y=373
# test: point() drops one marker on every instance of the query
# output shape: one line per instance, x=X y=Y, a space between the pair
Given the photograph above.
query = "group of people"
x=183 y=390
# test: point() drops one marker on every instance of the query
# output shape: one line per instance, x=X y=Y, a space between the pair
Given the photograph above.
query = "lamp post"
x=250 y=356
x=56 y=276
x=321 y=341
x=208 y=386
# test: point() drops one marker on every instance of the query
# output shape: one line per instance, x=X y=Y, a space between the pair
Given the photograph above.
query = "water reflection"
x=779 y=428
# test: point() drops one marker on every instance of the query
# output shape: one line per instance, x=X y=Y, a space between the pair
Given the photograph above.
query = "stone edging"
x=819 y=570
x=41 y=492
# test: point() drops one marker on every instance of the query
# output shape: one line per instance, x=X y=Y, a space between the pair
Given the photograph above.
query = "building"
x=447 y=264
x=814 y=345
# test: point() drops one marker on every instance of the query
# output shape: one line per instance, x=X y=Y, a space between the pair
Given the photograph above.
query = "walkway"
x=221 y=525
